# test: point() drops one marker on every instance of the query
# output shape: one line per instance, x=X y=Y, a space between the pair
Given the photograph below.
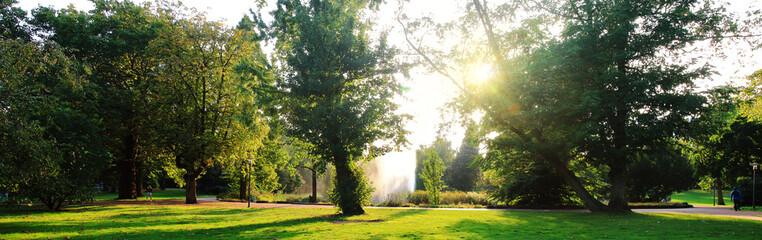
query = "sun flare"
x=479 y=73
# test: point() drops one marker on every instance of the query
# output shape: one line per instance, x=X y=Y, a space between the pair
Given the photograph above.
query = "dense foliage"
x=340 y=89
x=51 y=147
x=596 y=93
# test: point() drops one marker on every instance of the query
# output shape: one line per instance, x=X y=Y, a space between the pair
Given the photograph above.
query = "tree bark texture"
x=190 y=189
x=243 y=188
x=128 y=169
x=346 y=184
x=127 y=179
x=720 y=200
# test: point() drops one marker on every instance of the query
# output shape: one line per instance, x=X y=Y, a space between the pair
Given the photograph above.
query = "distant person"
x=149 y=193
x=4 y=196
x=735 y=195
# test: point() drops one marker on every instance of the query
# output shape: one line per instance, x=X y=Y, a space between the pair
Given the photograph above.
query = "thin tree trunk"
x=190 y=189
x=720 y=200
x=313 y=199
x=58 y=203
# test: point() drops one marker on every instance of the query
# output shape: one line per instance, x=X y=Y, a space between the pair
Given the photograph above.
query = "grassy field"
x=700 y=197
x=177 y=222
x=170 y=193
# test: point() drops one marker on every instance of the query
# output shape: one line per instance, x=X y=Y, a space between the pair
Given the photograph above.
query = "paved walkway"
x=715 y=211
x=213 y=202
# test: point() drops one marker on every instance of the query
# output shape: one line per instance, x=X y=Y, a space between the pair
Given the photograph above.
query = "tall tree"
x=462 y=173
x=601 y=88
x=704 y=146
x=200 y=99
x=113 y=40
x=340 y=89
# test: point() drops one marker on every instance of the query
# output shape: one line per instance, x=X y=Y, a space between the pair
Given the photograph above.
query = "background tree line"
x=585 y=105
x=149 y=91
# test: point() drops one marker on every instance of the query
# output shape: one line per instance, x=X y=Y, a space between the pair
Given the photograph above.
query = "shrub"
x=419 y=197
x=465 y=198
x=448 y=198
x=397 y=199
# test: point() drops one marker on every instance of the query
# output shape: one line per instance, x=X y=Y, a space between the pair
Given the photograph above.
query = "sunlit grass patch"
x=699 y=197
x=176 y=222
x=169 y=193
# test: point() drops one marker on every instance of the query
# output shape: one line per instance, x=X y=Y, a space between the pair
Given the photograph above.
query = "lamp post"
x=248 y=184
x=754 y=165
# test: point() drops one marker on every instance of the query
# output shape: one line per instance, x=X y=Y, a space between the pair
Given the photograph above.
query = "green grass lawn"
x=170 y=193
x=174 y=222
x=699 y=197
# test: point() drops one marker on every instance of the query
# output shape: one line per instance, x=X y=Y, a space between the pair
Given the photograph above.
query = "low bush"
x=454 y=199
x=471 y=198
x=397 y=199
x=419 y=197
x=270 y=197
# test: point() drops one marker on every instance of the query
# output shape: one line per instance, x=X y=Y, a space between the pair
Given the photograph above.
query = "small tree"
x=433 y=169
x=444 y=151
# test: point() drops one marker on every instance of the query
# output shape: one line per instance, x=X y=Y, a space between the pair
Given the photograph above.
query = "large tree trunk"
x=243 y=189
x=346 y=184
x=618 y=155
x=313 y=198
x=127 y=179
x=720 y=200
x=190 y=189
x=128 y=169
x=618 y=198
x=617 y=162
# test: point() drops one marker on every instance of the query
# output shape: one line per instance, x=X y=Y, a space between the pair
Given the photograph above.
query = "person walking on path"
x=149 y=193
x=735 y=195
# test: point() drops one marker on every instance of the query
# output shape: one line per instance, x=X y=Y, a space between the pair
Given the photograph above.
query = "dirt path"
x=212 y=202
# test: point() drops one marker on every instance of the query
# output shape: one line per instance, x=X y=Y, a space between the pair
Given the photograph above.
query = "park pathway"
x=714 y=211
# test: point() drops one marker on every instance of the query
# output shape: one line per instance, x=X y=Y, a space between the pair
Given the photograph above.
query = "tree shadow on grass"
x=606 y=226
x=126 y=220
x=403 y=213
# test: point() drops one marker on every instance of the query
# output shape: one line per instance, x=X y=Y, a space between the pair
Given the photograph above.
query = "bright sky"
x=428 y=92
